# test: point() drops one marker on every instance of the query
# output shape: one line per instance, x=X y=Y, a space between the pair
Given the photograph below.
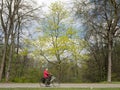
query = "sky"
x=48 y=2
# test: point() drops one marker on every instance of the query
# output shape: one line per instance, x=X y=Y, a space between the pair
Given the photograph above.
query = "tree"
x=59 y=44
x=101 y=17
x=54 y=43
x=56 y=33
x=14 y=14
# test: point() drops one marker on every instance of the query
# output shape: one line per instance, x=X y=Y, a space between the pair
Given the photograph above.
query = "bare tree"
x=103 y=17
x=14 y=15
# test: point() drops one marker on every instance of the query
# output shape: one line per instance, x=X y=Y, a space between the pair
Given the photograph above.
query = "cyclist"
x=48 y=79
x=47 y=76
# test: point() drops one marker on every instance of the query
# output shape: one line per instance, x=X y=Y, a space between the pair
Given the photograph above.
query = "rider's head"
x=46 y=69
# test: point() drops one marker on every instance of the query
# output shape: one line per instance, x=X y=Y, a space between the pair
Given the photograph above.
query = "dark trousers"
x=47 y=80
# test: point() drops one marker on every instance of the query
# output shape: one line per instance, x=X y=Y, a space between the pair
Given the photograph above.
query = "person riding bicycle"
x=47 y=76
x=48 y=79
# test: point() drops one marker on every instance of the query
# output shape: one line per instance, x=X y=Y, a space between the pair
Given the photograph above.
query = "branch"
x=29 y=12
x=42 y=54
x=2 y=21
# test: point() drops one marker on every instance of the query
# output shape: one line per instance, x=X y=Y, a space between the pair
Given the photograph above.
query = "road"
x=36 y=85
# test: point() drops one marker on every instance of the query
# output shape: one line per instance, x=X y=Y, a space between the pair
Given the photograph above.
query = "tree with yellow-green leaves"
x=55 y=30
x=59 y=43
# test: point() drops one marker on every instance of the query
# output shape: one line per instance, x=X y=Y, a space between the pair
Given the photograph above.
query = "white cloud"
x=48 y=2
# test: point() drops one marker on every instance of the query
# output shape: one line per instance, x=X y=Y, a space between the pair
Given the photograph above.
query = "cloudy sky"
x=48 y=2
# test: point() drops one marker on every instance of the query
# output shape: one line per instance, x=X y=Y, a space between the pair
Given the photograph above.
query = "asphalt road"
x=36 y=85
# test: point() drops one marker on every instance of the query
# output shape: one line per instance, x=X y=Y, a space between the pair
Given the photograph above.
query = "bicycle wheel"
x=44 y=82
x=55 y=82
x=41 y=82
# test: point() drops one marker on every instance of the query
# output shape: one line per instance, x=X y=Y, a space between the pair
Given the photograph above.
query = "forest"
x=79 y=42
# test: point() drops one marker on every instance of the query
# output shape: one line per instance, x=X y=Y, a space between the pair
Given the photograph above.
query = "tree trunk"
x=9 y=63
x=2 y=69
x=109 y=57
x=2 y=64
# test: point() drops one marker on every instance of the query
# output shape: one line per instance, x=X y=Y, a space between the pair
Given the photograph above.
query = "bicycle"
x=53 y=82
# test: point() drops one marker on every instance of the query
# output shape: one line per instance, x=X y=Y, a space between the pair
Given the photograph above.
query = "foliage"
x=60 y=48
x=101 y=19
x=15 y=15
x=27 y=70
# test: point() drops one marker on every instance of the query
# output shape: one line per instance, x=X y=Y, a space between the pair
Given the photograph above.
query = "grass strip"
x=59 y=88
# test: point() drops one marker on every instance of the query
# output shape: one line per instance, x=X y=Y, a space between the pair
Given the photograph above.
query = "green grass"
x=59 y=89
x=109 y=83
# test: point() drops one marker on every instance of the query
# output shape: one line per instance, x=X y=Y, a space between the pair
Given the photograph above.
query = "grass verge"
x=59 y=88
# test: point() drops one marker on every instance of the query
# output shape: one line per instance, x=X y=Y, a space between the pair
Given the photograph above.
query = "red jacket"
x=46 y=74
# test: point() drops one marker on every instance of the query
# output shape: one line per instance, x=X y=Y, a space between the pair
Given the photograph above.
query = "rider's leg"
x=47 y=82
